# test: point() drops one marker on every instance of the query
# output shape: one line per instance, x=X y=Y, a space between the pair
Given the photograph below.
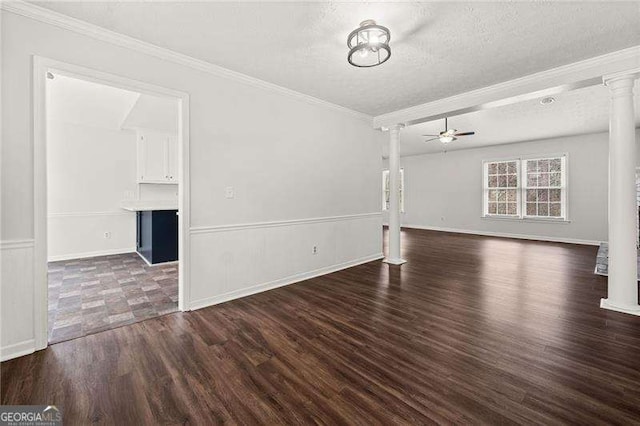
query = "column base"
x=394 y=261
x=626 y=309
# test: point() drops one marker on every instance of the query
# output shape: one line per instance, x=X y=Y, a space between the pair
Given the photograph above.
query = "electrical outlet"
x=107 y=234
x=314 y=250
x=228 y=192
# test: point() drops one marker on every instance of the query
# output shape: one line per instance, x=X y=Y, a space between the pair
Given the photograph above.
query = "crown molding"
x=60 y=20
x=584 y=73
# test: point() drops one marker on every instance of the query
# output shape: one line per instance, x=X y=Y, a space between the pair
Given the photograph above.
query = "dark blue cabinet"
x=157 y=235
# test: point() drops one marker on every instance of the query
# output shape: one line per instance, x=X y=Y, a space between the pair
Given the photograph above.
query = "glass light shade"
x=446 y=139
x=369 y=45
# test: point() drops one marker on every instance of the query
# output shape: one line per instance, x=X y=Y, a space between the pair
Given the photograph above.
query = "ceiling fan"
x=448 y=135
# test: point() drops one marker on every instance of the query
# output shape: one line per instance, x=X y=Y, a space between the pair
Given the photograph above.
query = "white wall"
x=444 y=191
x=286 y=157
x=155 y=192
x=90 y=170
x=91 y=165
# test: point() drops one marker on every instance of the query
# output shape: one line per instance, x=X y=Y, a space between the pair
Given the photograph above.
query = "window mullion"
x=521 y=194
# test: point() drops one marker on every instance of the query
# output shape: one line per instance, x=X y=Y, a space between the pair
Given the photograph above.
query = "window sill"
x=526 y=219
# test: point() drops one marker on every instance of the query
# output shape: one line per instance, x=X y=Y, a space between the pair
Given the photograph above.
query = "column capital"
x=621 y=79
x=395 y=127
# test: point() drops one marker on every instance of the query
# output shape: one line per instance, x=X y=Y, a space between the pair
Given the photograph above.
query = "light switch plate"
x=228 y=192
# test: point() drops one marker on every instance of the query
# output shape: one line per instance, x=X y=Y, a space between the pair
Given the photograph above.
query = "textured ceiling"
x=577 y=112
x=438 y=49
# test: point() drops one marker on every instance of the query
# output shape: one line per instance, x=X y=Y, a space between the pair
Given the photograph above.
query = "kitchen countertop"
x=149 y=205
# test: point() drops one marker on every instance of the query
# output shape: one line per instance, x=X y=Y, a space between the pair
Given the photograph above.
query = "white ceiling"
x=577 y=112
x=438 y=49
x=152 y=112
x=74 y=101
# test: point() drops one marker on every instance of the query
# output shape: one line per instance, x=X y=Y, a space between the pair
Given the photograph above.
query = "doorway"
x=92 y=190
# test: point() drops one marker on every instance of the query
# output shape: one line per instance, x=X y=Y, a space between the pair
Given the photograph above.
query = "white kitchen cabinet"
x=157 y=157
x=172 y=158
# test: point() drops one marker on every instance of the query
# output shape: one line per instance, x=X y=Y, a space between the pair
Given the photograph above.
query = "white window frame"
x=563 y=188
x=522 y=188
x=385 y=172
x=485 y=190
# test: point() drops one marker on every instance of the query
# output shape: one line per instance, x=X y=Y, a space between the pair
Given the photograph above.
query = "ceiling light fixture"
x=448 y=135
x=547 y=101
x=369 y=45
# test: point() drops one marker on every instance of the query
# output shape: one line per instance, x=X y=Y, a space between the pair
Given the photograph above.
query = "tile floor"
x=99 y=293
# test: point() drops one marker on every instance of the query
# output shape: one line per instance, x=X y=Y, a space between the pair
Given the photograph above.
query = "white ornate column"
x=622 y=285
x=394 y=257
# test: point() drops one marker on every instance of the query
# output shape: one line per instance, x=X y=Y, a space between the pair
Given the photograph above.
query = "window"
x=386 y=190
x=544 y=187
x=501 y=188
x=525 y=188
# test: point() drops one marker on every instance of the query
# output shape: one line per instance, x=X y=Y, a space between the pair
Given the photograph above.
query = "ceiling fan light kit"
x=369 y=45
x=448 y=135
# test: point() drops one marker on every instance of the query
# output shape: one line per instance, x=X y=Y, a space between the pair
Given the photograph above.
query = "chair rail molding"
x=16 y=244
x=60 y=20
x=588 y=72
x=87 y=214
x=241 y=226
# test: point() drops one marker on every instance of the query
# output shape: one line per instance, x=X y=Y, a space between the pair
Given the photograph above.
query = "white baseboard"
x=170 y=262
x=91 y=254
x=17 y=349
x=631 y=310
x=236 y=294
x=390 y=261
x=505 y=235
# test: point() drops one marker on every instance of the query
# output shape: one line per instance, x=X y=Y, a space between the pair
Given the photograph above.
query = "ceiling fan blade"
x=435 y=136
x=432 y=139
x=465 y=134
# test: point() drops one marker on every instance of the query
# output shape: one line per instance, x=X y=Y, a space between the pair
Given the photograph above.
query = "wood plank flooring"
x=471 y=330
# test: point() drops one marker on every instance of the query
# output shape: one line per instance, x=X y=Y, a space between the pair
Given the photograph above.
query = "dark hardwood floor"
x=471 y=330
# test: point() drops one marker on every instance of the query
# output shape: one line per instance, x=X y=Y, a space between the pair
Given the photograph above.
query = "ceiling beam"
x=556 y=80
